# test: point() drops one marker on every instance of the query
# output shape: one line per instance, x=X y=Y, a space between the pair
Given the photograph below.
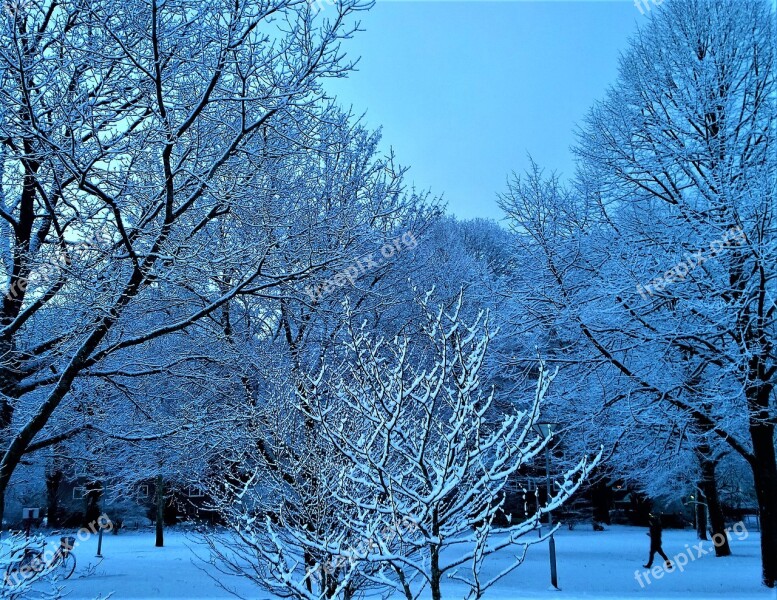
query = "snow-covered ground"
x=590 y=565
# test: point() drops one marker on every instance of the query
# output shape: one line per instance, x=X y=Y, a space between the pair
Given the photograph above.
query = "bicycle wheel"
x=26 y=568
x=65 y=566
x=13 y=574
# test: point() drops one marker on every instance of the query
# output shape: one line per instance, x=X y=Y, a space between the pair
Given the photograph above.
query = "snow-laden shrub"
x=392 y=457
x=25 y=575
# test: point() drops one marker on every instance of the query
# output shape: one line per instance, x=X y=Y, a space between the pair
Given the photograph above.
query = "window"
x=194 y=492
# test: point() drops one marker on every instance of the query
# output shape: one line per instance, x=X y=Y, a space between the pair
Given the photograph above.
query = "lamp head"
x=544 y=429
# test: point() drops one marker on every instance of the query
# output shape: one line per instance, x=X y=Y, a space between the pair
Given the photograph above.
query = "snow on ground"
x=591 y=565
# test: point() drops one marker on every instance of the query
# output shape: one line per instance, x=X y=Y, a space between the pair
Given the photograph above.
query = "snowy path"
x=591 y=565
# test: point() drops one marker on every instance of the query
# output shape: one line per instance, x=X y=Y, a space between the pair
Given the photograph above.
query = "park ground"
x=591 y=565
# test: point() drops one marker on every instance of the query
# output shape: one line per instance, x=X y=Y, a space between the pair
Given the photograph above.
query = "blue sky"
x=464 y=90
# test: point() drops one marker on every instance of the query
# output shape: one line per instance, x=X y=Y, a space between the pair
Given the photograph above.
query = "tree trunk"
x=160 y=511
x=700 y=509
x=6 y=471
x=764 y=468
x=94 y=492
x=434 y=574
x=601 y=499
x=709 y=486
x=53 y=482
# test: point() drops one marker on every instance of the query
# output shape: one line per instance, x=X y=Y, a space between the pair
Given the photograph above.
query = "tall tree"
x=665 y=252
x=136 y=141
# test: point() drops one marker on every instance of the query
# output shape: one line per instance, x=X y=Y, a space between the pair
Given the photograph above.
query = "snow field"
x=591 y=565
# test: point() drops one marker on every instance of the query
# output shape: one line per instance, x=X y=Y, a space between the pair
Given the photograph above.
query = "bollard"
x=100 y=542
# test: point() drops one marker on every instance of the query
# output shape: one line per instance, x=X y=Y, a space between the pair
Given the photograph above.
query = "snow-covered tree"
x=429 y=451
x=570 y=311
x=139 y=146
x=398 y=455
x=662 y=256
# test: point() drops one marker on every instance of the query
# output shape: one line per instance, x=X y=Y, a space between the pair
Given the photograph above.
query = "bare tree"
x=662 y=257
x=137 y=141
x=421 y=458
x=688 y=133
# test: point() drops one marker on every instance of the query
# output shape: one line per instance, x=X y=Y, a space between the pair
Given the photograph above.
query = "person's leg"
x=650 y=560
x=665 y=557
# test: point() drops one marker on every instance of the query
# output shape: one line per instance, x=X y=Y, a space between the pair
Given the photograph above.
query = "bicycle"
x=33 y=562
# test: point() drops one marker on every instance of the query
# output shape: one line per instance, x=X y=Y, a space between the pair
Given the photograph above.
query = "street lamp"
x=546 y=431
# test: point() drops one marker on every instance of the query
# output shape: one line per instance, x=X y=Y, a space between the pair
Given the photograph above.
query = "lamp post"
x=534 y=488
x=546 y=431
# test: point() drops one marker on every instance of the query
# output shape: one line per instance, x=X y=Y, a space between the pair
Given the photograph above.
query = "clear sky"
x=465 y=90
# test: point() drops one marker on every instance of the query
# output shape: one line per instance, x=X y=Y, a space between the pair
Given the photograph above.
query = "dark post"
x=100 y=542
x=551 y=541
x=160 y=511
x=546 y=431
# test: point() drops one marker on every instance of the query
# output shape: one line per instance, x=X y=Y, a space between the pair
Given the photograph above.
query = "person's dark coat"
x=655 y=532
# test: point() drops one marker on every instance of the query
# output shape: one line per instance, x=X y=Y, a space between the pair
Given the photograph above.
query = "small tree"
x=391 y=458
x=427 y=455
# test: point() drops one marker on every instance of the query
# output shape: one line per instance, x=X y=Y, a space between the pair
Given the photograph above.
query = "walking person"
x=654 y=522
